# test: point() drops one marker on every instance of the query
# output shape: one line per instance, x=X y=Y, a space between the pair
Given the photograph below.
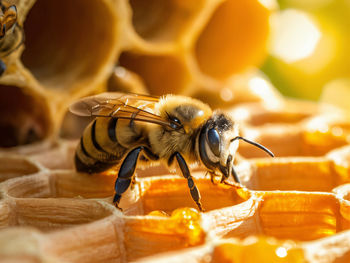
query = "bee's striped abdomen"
x=102 y=145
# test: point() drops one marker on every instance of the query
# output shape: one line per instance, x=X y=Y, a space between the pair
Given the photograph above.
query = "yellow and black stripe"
x=104 y=143
x=99 y=149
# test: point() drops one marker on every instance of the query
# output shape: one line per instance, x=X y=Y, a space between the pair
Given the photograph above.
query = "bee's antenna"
x=255 y=144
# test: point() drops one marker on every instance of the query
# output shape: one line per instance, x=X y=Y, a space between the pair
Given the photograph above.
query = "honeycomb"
x=292 y=208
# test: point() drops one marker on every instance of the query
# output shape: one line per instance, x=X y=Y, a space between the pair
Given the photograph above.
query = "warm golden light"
x=294 y=35
x=270 y=4
x=260 y=86
x=281 y=252
x=337 y=92
x=317 y=124
x=309 y=3
x=226 y=94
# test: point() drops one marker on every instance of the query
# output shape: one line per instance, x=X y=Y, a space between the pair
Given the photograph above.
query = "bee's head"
x=218 y=143
x=215 y=145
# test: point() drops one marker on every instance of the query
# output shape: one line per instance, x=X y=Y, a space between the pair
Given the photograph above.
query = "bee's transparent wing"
x=122 y=106
x=108 y=101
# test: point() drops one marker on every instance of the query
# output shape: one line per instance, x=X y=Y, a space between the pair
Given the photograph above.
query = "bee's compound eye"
x=214 y=141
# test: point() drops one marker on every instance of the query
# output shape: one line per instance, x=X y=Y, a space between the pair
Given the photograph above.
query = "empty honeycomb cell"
x=51 y=214
x=33 y=186
x=68 y=44
x=302 y=174
x=162 y=74
x=234 y=38
x=24 y=116
x=16 y=166
x=163 y=21
x=60 y=184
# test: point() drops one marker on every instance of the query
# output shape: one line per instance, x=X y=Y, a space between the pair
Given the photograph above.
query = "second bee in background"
x=11 y=35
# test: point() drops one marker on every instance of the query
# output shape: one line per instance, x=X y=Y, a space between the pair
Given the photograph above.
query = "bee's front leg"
x=186 y=173
x=235 y=175
x=213 y=178
x=228 y=171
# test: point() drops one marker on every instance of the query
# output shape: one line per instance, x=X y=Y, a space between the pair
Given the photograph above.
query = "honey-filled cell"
x=292 y=174
x=301 y=216
x=166 y=193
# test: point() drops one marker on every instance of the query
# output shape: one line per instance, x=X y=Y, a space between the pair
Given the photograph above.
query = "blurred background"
x=309 y=49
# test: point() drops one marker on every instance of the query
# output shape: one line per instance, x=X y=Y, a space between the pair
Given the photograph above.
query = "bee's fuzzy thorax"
x=191 y=112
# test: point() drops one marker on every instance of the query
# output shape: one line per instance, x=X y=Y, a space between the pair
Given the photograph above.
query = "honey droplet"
x=188 y=221
x=187 y=213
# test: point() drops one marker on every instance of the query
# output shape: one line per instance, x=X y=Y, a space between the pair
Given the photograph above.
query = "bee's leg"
x=235 y=176
x=212 y=178
x=2 y=67
x=186 y=173
x=127 y=170
x=228 y=171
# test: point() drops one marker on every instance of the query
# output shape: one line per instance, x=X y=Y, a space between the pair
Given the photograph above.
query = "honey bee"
x=11 y=34
x=130 y=127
